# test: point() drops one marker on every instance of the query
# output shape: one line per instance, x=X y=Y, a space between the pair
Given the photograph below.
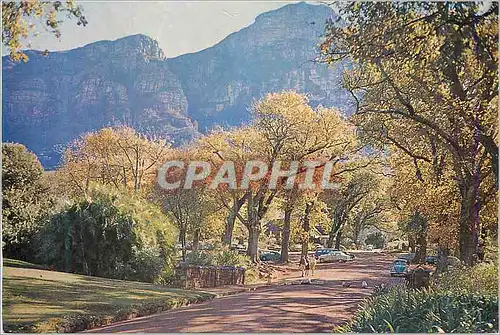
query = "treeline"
x=103 y=213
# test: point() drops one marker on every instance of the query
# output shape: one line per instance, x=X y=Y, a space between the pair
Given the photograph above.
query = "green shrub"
x=220 y=255
x=480 y=279
x=376 y=239
x=230 y=257
x=200 y=257
x=110 y=234
x=25 y=201
x=416 y=311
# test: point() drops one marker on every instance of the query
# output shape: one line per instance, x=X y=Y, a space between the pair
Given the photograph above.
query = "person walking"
x=304 y=265
x=312 y=264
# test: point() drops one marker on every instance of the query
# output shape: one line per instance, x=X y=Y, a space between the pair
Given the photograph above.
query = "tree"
x=428 y=204
x=293 y=131
x=375 y=210
x=284 y=129
x=366 y=216
x=18 y=21
x=341 y=202
x=424 y=79
x=119 y=157
x=189 y=208
x=237 y=146
x=376 y=239
x=185 y=207
x=25 y=199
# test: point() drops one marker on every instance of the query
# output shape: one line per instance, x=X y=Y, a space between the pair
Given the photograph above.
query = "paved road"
x=287 y=308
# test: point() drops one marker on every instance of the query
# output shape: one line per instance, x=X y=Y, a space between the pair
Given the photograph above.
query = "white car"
x=335 y=256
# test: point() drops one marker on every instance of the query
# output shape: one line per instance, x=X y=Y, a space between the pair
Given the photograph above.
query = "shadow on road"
x=285 y=308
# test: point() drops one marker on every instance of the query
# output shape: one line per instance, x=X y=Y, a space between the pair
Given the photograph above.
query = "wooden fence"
x=193 y=276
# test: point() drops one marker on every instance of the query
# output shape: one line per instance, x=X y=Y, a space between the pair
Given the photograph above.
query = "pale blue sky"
x=179 y=26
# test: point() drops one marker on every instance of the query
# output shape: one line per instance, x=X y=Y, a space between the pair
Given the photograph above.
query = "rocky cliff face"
x=277 y=52
x=52 y=99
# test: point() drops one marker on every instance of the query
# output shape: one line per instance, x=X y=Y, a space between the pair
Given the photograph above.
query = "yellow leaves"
x=119 y=157
x=289 y=124
x=438 y=201
x=17 y=21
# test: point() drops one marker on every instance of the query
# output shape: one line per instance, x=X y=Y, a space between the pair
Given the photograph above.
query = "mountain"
x=275 y=53
x=50 y=100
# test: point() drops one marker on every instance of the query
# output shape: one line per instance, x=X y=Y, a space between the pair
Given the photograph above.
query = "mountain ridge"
x=53 y=99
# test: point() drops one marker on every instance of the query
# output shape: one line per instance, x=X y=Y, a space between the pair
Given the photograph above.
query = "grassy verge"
x=22 y=264
x=48 y=301
x=464 y=300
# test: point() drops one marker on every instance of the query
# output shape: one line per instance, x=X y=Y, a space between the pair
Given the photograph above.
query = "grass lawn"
x=37 y=300
x=21 y=264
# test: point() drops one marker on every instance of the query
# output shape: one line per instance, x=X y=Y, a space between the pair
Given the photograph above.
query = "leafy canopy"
x=19 y=21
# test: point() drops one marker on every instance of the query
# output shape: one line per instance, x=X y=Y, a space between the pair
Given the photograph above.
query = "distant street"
x=286 y=308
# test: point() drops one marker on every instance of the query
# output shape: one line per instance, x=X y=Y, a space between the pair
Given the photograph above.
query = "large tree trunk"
x=306 y=228
x=337 y=239
x=230 y=221
x=285 y=236
x=467 y=223
x=331 y=239
x=442 y=259
x=196 y=239
x=182 y=239
x=228 y=232
x=332 y=234
x=253 y=243
x=336 y=225
x=411 y=243
x=421 y=249
x=492 y=148
x=357 y=232
x=253 y=230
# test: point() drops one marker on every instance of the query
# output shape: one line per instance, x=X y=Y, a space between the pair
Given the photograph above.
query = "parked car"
x=399 y=267
x=269 y=255
x=432 y=260
x=348 y=253
x=335 y=256
x=369 y=247
x=295 y=247
x=323 y=251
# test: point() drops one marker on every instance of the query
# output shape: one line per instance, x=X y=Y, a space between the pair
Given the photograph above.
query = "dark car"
x=269 y=255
